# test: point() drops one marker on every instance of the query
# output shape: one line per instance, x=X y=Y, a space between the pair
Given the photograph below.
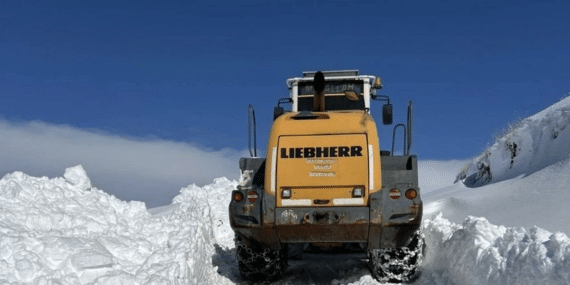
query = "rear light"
x=252 y=196
x=357 y=192
x=395 y=193
x=286 y=193
x=237 y=196
x=411 y=194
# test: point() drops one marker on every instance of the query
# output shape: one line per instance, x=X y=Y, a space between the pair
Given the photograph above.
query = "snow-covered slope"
x=521 y=180
x=538 y=199
x=530 y=145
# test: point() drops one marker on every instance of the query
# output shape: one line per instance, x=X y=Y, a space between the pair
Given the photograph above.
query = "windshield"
x=332 y=103
x=334 y=95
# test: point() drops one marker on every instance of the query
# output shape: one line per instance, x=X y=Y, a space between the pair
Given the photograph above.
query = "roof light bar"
x=332 y=73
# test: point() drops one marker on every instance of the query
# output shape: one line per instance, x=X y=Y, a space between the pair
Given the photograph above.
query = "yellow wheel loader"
x=326 y=181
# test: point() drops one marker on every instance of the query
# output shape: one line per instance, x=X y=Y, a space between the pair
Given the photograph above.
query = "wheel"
x=258 y=262
x=398 y=264
x=295 y=251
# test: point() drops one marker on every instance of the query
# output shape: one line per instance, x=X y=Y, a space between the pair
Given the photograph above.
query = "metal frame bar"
x=250 y=124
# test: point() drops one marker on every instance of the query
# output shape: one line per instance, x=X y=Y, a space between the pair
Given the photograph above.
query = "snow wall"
x=63 y=231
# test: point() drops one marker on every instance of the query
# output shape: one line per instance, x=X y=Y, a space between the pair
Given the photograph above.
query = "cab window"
x=334 y=95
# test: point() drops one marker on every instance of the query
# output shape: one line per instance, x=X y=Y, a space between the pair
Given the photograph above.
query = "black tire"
x=398 y=264
x=295 y=251
x=257 y=262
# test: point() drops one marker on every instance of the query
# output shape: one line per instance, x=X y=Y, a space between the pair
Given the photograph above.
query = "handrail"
x=251 y=121
x=409 y=128
x=284 y=101
x=394 y=138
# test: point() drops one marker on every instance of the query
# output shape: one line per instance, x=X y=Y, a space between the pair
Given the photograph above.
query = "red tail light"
x=395 y=193
x=252 y=196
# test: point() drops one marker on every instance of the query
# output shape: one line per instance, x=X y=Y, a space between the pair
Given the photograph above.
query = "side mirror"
x=387 y=116
x=277 y=111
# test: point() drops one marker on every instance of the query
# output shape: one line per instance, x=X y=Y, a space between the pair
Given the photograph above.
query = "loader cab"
x=337 y=84
x=344 y=91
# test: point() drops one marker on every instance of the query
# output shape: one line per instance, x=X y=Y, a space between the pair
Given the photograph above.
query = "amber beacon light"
x=411 y=194
x=237 y=196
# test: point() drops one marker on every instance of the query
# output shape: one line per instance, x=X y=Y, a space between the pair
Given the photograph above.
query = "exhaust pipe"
x=319 y=86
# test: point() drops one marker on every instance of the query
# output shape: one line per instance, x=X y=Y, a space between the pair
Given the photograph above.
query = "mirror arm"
x=284 y=101
x=380 y=98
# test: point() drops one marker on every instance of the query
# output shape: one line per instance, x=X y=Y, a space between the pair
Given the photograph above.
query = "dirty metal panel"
x=328 y=224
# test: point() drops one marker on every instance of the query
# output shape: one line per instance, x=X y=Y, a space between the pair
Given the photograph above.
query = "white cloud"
x=152 y=171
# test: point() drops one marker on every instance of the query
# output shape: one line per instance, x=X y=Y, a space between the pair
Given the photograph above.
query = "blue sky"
x=185 y=71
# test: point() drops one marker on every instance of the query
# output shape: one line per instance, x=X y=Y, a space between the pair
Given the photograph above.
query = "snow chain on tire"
x=260 y=263
x=398 y=264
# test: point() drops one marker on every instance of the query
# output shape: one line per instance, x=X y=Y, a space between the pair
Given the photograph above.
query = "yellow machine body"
x=321 y=159
x=324 y=178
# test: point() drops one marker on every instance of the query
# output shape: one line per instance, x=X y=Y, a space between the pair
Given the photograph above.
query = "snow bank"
x=533 y=144
x=478 y=252
x=63 y=231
